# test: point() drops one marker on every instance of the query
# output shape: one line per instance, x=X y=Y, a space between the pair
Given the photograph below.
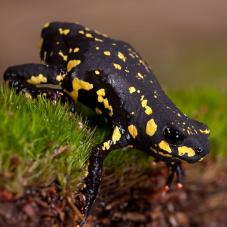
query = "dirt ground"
x=201 y=202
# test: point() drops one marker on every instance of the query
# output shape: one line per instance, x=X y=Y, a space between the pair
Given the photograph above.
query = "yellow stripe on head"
x=186 y=150
x=165 y=146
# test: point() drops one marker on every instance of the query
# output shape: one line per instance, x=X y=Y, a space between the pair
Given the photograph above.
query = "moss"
x=42 y=143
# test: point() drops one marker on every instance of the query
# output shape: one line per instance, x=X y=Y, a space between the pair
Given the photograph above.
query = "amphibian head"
x=179 y=137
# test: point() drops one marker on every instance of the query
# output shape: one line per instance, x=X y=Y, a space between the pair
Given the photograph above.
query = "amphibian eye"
x=172 y=135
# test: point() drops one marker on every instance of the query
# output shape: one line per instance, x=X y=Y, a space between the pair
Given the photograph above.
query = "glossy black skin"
x=102 y=67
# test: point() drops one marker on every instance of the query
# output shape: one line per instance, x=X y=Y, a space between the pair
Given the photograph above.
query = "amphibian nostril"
x=199 y=150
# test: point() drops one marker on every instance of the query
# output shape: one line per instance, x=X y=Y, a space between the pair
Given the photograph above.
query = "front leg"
x=92 y=181
x=117 y=140
x=174 y=169
x=38 y=79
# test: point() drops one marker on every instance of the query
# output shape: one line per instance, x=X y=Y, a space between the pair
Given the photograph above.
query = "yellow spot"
x=65 y=57
x=97 y=72
x=87 y=29
x=165 y=146
x=144 y=64
x=100 y=99
x=107 y=53
x=141 y=62
x=134 y=53
x=106 y=146
x=186 y=150
x=117 y=66
x=88 y=35
x=37 y=79
x=121 y=56
x=46 y=25
x=206 y=131
x=77 y=85
x=63 y=31
x=140 y=76
x=81 y=32
x=108 y=106
x=70 y=50
x=72 y=63
x=127 y=71
x=76 y=50
x=60 y=77
x=98 y=40
x=133 y=131
x=131 y=55
x=97 y=48
x=105 y=35
x=98 y=111
x=132 y=90
x=116 y=135
x=101 y=92
x=148 y=110
x=144 y=103
x=151 y=127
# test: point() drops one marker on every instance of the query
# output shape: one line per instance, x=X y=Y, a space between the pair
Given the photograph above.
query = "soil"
x=37 y=207
x=201 y=202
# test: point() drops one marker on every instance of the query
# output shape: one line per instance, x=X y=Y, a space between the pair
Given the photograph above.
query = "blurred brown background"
x=185 y=42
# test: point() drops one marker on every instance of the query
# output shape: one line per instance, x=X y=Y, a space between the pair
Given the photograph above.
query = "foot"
x=175 y=170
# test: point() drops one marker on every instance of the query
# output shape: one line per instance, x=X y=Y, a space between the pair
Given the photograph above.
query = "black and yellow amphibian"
x=110 y=77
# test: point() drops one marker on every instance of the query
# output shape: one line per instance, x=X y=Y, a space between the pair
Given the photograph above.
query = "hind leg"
x=38 y=79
